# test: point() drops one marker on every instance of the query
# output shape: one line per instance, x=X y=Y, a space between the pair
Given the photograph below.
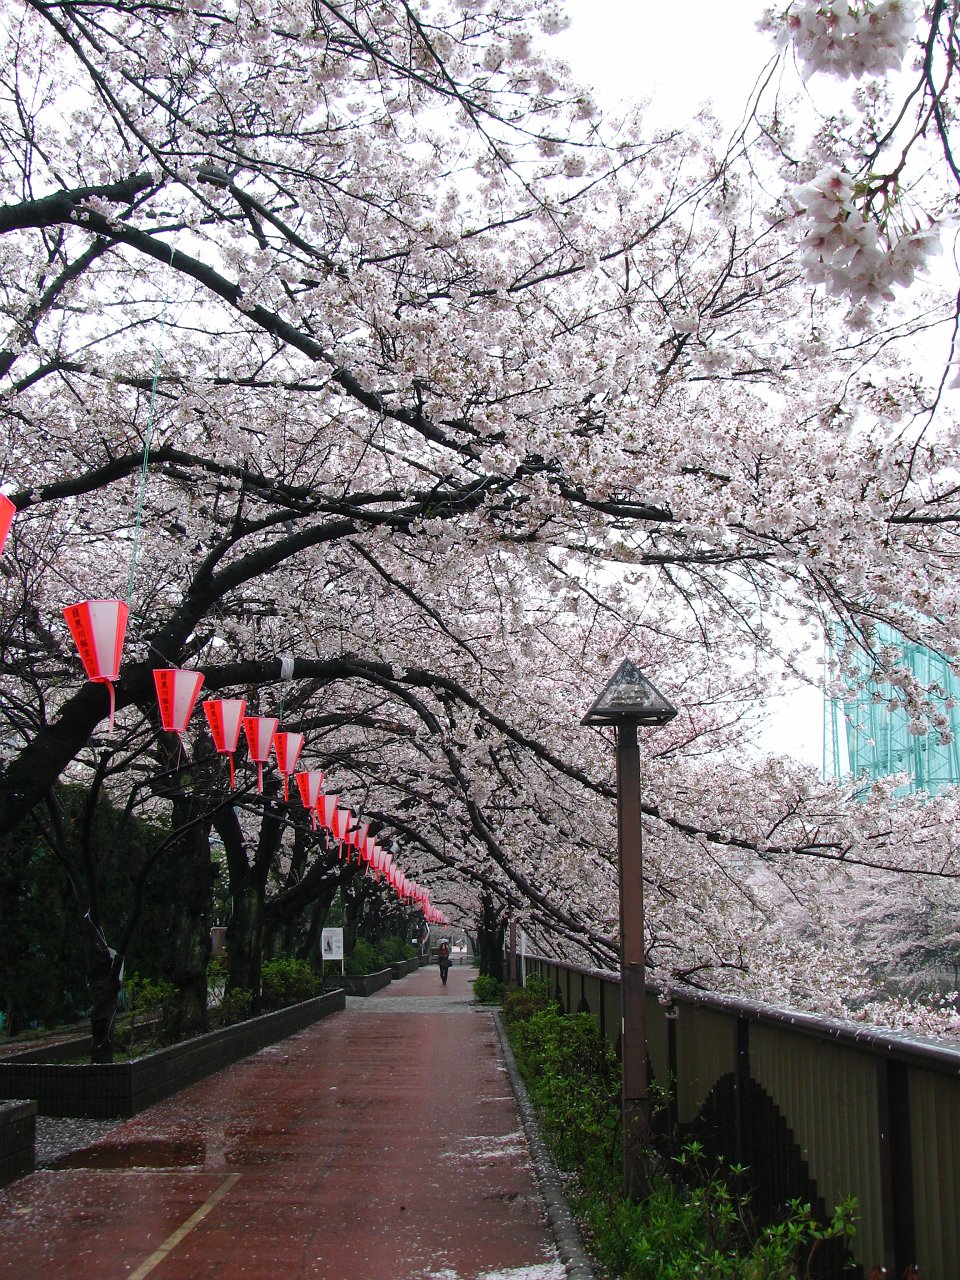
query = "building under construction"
x=867 y=730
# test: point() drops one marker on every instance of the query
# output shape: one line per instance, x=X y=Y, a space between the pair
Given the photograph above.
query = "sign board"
x=331 y=944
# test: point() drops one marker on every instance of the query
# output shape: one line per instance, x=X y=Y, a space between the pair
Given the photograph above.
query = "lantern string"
x=147 y=440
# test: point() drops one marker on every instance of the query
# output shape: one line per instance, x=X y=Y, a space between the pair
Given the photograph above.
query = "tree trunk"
x=352 y=906
x=310 y=949
x=194 y=877
x=491 y=929
x=103 y=969
x=245 y=941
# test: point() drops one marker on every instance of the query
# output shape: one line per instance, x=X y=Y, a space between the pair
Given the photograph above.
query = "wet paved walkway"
x=381 y=1144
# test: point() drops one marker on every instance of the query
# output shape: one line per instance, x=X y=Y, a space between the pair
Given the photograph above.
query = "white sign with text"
x=331 y=944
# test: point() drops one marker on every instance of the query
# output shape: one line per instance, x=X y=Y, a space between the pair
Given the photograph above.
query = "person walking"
x=444 y=961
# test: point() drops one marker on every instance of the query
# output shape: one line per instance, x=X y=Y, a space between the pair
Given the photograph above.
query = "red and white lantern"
x=340 y=826
x=358 y=838
x=260 y=731
x=225 y=718
x=7 y=512
x=288 y=747
x=98 y=627
x=177 y=693
x=326 y=808
x=310 y=782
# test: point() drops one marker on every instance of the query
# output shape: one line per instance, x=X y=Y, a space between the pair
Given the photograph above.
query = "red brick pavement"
x=382 y=1144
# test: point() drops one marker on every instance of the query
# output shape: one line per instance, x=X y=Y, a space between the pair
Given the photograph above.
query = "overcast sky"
x=680 y=57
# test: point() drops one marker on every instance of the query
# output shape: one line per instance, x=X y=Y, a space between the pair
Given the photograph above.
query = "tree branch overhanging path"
x=462 y=393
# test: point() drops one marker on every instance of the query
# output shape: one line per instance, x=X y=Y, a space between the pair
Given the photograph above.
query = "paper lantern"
x=260 y=731
x=97 y=627
x=177 y=693
x=225 y=718
x=7 y=512
x=326 y=808
x=340 y=824
x=288 y=747
x=310 y=782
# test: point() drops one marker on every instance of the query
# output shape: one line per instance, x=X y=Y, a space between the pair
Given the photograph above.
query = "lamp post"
x=629 y=700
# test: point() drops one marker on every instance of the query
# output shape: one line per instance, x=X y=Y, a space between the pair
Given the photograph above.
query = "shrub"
x=523 y=1003
x=286 y=981
x=364 y=959
x=392 y=951
x=148 y=1003
x=369 y=957
x=486 y=990
x=234 y=1007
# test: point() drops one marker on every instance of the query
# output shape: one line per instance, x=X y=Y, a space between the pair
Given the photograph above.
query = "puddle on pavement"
x=158 y=1154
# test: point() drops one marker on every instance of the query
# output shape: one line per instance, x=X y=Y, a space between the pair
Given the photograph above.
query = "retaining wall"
x=17 y=1131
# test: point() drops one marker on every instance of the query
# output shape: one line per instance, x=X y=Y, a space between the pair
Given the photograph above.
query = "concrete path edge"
x=563 y=1224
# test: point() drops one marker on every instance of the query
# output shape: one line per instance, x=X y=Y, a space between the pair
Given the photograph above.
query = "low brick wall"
x=122 y=1089
x=17 y=1128
x=366 y=984
x=51 y=1053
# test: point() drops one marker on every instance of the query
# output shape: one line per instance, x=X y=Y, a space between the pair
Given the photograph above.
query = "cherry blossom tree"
x=876 y=179
x=355 y=336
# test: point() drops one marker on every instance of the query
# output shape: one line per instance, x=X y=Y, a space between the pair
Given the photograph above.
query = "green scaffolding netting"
x=867 y=729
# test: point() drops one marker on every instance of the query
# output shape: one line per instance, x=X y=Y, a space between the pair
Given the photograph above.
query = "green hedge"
x=370 y=957
x=287 y=981
x=486 y=989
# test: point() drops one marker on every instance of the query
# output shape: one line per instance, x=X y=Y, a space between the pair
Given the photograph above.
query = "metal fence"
x=815 y=1107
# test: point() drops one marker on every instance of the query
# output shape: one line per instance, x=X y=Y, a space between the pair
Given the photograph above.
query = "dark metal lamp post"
x=629 y=700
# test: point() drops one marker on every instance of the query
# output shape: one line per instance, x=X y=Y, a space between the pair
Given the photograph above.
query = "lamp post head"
x=630 y=697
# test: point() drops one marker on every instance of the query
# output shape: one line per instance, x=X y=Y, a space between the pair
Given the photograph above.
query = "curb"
x=559 y=1214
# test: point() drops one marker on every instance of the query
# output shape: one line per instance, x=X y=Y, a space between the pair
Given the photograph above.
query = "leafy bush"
x=148 y=1008
x=234 y=1007
x=486 y=989
x=370 y=957
x=526 y=1000
x=696 y=1222
x=574 y=1080
x=365 y=958
x=287 y=981
x=392 y=951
